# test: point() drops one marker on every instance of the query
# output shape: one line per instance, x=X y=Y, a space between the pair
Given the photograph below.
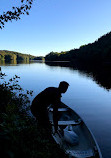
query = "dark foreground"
x=19 y=134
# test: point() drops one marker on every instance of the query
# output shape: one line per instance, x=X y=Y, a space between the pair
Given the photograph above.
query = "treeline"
x=11 y=55
x=99 y=51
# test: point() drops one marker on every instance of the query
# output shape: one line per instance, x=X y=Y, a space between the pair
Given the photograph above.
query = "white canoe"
x=73 y=135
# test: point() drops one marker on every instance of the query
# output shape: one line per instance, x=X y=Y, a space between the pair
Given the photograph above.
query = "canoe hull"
x=73 y=135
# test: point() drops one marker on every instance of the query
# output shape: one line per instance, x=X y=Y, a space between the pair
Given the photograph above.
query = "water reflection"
x=100 y=74
x=15 y=62
x=12 y=62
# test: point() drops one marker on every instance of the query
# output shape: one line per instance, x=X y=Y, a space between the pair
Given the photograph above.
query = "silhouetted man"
x=50 y=95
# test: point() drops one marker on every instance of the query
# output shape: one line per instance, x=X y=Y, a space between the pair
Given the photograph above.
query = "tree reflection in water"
x=100 y=73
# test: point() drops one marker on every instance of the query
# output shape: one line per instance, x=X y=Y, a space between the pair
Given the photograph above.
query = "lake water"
x=90 y=99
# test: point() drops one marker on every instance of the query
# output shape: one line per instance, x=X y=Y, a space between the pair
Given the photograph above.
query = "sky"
x=55 y=25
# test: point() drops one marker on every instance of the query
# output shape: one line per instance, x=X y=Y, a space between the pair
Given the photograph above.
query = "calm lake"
x=87 y=95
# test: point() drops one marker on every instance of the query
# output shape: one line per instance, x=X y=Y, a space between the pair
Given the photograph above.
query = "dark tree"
x=16 y=12
x=7 y=57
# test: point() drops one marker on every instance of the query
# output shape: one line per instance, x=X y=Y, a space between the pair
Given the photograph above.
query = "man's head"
x=63 y=86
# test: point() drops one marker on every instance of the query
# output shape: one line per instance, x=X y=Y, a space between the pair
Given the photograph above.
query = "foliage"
x=92 y=53
x=19 y=134
x=7 y=57
x=38 y=58
x=11 y=55
x=55 y=56
x=16 y=12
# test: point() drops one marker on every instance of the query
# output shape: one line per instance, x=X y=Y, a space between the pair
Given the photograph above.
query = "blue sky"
x=55 y=25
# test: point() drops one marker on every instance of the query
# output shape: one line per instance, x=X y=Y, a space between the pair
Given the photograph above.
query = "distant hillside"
x=11 y=55
x=99 y=51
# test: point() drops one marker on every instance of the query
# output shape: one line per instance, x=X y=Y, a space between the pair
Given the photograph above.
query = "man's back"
x=48 y=96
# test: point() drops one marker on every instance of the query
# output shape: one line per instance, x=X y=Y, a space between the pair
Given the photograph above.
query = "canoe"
x=73 y=136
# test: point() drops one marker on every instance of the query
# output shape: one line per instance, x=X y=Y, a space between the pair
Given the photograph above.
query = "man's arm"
x=55 y=116
x=56 y=113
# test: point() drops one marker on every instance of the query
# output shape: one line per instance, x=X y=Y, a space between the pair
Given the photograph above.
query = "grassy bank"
x=19 y=133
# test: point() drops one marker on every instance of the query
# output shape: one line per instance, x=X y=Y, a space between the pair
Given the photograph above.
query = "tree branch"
x=16 y=12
